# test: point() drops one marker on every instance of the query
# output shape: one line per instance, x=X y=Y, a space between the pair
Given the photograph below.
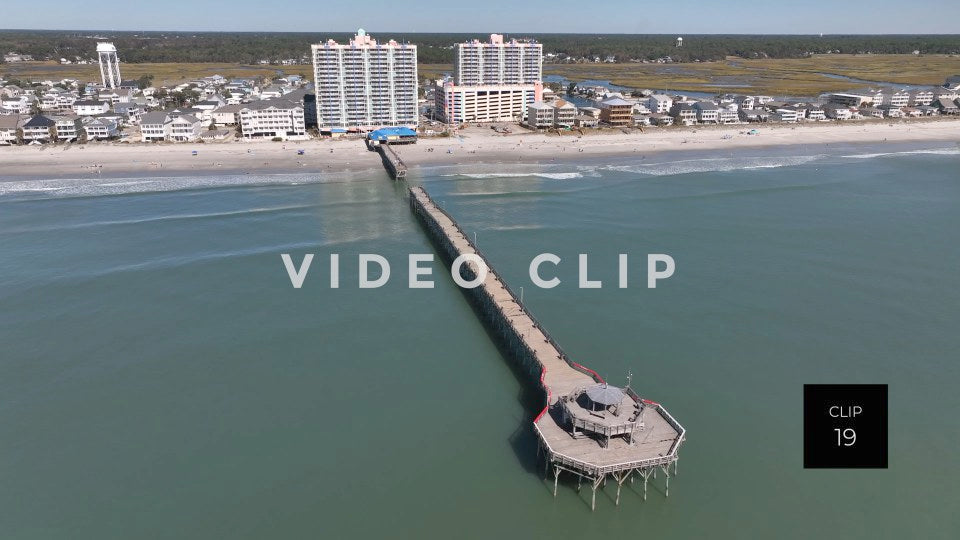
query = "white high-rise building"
x=109 y=65
x=492 y=82
x=365 y=85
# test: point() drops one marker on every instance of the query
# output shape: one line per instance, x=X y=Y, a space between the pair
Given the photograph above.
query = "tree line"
x=253 y=47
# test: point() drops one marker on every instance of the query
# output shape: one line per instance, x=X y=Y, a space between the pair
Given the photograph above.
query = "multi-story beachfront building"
x=272 y=119
x=492 y=81
x=365 y=84
x=485 y=103
x=497 y=62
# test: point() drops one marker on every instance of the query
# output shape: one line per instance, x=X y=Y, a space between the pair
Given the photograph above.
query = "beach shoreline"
x=474 y=146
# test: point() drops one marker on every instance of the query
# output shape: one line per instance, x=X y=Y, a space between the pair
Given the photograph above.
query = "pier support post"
x=579 y=481
x=556 y=475
x=596 y=483
x=646 y=477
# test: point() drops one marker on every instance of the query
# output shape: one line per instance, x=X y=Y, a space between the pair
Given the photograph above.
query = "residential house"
x=789 y=114
x=946 y=106
x=891 y=111
x=815 y=112
x=659 y=119
x=227 y=115
x=684 y=113
x=128 y=112
x=9 y=124
x=590 y=111
x=616 y=112
x=100 y=128
x=586 y=121
x=745 y=102
x=728 y=116
x=15 y=105
x=153 y=126
x=921 y=97
x=540 y=115
x=67 y=127
x=837 y=112
x=659 y=103
x=39 y=129
x=707 y=112
x=564 y=113
x=90 y=107
x=184 y=128
x=762 y=100
x=896 y=99
x=754 y=115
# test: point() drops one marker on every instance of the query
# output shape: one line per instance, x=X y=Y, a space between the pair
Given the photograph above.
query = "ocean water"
x=160 y=377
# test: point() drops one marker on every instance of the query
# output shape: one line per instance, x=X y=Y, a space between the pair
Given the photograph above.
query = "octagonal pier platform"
x=583 y=429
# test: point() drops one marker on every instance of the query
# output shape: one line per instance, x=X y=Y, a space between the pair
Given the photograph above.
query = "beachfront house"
x=39 y=129
x=684 y=113
x=727 y=116
x=789 y=114
x=708 y=112
x=849 y=100
x=184 y=128
x=812 y=111
x=891 y=111
x=754 y=115
x=946 y=106
x=564 y=113
x=273 y=119
x=540 y=115
x=128 y=112
x=9 y=124
x=659 y=103
x=153 y=126
x=616 y=112
x=586 y=121
x=837 y=112
x=921 y=97
x=67 y=127
x=227 y=115
x=897 y=99
x=100 y=128
x=659 y=119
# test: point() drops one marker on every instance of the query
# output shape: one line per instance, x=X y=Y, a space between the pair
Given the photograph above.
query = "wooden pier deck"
x=391 y=161
x=653 y=446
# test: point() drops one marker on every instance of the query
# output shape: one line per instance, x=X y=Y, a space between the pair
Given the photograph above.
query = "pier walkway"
x=634 y=443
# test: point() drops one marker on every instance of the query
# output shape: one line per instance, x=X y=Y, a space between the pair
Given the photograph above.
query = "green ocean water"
x=160 y=377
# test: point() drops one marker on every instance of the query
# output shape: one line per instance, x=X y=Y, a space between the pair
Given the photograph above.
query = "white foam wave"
x=551 y=176
x=686 y=166
x=933 y=151
x=91 y=187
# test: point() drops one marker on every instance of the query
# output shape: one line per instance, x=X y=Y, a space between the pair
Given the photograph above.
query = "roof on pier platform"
x=391 y=133
x=604 y=394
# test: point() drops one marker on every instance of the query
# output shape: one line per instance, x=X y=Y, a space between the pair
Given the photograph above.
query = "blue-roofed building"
x=393 y=135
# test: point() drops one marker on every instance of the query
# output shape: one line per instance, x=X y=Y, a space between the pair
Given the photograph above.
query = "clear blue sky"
x=486 y=16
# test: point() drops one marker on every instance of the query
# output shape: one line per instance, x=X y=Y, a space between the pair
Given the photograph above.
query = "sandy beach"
x=473 y=145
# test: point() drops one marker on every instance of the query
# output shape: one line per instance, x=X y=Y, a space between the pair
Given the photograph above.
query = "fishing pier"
x=587 y=427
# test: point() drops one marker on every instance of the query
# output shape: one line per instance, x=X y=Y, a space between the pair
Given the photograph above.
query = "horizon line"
x=815 y=34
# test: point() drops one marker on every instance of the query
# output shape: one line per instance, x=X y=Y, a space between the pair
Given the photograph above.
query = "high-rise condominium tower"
x=365 y=84
x=109 y=65
x=498 y=62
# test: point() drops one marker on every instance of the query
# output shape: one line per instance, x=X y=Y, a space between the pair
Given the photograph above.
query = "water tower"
x=109 y=65
x=679 y=42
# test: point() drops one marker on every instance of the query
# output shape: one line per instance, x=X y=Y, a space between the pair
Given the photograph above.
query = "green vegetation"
x=252 y=47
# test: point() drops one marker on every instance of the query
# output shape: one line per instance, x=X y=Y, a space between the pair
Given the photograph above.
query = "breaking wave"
x=95 y=187
x=686 y=166
x=551 y=176
x=933 y=151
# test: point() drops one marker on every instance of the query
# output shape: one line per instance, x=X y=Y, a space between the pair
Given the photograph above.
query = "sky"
x=507 y=16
